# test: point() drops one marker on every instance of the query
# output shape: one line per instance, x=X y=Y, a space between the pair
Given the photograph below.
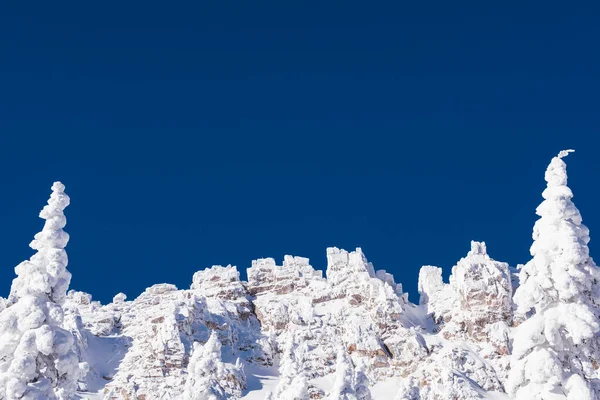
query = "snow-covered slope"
x=291 y=332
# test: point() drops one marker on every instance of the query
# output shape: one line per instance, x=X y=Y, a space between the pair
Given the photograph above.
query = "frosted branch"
x=565 y=153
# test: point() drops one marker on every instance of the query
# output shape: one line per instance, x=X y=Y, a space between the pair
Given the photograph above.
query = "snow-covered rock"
x=296 y=272
x=163 y=323
x=436 y=298
x=483 y=293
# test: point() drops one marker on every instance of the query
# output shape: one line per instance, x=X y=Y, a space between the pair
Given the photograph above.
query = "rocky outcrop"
x=265 y=276
x=292 y=317
x=476 y=307
x=437 y=299
x=355 y=306
x=479 y=295
x=483 y=290
x=160 y=327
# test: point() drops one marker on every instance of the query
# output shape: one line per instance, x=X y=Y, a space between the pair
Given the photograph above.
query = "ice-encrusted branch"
x=564 y=153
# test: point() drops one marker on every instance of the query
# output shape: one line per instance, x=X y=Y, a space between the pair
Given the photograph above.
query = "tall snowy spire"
x=555 y=349
x=46 y=271
x=561 y=267
x=37 y=357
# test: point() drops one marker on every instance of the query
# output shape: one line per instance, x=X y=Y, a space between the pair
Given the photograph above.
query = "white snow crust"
x=291 y=332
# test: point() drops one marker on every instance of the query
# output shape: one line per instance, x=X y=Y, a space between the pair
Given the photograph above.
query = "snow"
x=492 y=332
x=38 y=358
x=261 y=380
x=436 y=298
x=209 y=377
x=556 y=350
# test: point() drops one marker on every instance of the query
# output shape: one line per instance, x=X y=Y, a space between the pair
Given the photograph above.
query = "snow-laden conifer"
x=555 y=349
x=343 y=386
x=293 y=384
x=351 y=383
x=362 y=383
x=209 y=378
x=38 y=358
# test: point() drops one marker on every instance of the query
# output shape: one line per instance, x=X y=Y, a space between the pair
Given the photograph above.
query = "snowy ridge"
x=289 y=333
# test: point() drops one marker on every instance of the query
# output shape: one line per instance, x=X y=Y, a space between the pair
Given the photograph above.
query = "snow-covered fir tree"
x=362 y=383
x=209 y=378
x=38 y=358
x=409 y=390
x=555 y=350
x=293 y=384
x=343 y=386
x=351 y=383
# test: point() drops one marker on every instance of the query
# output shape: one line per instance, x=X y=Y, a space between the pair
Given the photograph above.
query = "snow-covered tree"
x=409 y=390
x=38 y=358
x=209 y=378
x=343 y=386
x=361 y=383
x=351 y=383
x=555 y=350
x=293 y=384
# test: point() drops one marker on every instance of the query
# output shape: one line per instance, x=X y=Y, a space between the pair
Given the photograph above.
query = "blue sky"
x=192 y=135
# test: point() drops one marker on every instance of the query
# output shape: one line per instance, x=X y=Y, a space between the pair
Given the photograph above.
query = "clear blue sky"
x=192 y=135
